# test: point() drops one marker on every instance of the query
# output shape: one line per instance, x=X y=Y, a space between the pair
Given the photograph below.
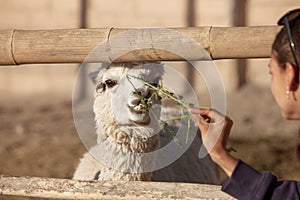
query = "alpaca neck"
x=126 y=152
x=128 y=138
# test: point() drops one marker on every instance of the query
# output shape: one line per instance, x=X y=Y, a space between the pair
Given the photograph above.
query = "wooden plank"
x=136 y=190
x=73 y=45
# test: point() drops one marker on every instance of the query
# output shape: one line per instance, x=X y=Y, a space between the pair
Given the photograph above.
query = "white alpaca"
x=124 y=133
x=123 y=130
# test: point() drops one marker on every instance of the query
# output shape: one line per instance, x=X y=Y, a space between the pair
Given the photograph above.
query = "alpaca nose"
x=139 y=94
x=143 y=91
x=133 y=101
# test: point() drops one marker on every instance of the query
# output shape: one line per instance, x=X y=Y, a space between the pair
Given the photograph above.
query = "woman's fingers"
x=199 y=114
x=208 y=115
x=200 y=111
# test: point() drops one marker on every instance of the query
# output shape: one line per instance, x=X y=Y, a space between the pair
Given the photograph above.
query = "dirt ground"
x=38 y=138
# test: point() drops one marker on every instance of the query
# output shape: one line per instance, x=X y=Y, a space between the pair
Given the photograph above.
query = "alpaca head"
x=118 y=93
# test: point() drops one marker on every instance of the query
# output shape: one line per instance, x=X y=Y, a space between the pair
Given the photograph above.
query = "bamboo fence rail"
x=135 y=190
x=73 y=45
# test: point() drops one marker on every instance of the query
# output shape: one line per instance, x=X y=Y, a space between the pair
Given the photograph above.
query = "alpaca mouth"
x=139 y=109
x=139 y=114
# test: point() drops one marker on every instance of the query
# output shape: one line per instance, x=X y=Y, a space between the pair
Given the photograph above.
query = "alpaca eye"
x=110 y=83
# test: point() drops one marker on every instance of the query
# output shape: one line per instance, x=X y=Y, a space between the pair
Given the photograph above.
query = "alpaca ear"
x=93 y=76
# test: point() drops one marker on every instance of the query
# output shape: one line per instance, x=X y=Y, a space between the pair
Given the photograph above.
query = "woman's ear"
x=291 y=77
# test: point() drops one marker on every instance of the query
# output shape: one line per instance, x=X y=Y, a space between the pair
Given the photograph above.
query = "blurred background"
x=37 y=132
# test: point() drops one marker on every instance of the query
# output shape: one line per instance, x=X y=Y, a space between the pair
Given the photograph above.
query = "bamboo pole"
x=71 y=189
x=73 y=45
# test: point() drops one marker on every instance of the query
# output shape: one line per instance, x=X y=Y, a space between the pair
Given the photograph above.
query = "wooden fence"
x=73 y=45
x=135 y=190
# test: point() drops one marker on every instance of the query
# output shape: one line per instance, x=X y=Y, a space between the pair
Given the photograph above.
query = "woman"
x=244 y=182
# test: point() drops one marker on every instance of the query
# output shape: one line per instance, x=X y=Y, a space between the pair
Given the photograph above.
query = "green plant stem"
x=164 y=126
x=188 y=130
x=167 y=94
x=176 y=118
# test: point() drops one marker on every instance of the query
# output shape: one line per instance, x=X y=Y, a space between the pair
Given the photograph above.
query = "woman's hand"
x=215 y=129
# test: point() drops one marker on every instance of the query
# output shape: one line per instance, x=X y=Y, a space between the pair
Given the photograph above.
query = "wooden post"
x=239 y=19
x=73 y=45
x=190 y=22
x=134 y=190
x=83 y=73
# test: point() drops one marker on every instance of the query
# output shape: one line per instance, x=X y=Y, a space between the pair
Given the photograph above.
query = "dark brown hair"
x=281 y=44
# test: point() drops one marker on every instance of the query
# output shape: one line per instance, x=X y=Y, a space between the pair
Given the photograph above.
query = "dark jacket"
x=249 y=184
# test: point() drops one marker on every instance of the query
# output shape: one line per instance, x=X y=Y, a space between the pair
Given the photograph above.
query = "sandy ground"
x=38 y=137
